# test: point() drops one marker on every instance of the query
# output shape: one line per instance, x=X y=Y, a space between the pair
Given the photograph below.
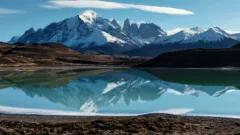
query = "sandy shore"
x=145 y=125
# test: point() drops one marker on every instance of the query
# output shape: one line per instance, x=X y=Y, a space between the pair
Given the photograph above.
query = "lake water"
x=121 y=92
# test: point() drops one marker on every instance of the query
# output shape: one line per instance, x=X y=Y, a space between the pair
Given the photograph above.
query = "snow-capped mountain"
x=87 y=30
x=211 y=35
x=197 y=34
x=90 y=31
x=181 y=36
x=212 y=38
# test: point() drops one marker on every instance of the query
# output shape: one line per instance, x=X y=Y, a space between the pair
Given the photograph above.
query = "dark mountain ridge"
x=197 y=58
x=153 y=50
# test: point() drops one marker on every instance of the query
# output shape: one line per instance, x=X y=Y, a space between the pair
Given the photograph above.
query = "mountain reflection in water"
x=117 y=91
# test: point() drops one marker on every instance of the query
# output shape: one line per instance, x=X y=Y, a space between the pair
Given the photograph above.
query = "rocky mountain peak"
x=134 y=29
x=13 y=39
x=148 y=30
x=115 y=24
x=89 y=16
x=197 y=29
x=127 y=26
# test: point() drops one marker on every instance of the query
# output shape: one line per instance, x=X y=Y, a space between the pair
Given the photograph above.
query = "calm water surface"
x=121 y=92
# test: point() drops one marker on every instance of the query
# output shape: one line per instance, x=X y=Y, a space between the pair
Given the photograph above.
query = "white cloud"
x=114 y=5
x=5 y=11
x=87 y=4
x=49 y=6
x=163 y=10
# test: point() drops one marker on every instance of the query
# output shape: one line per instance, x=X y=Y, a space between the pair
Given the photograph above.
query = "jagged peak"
x=89 y=16
x=89 y=13
x=150 y=24
x=127 y=20
x=188 y=31
x=197 y=29
x=114 y=22
x=192 y=31
x=134 y=25
x=31 y=29
x=215 y=29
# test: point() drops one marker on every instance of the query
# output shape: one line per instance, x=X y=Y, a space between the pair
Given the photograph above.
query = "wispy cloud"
x=113 y=5
x=50 y=6
x=6 y=11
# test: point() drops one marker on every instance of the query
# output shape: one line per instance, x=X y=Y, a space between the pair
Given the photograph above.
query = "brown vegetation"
x=148 y=124
x=54 y=54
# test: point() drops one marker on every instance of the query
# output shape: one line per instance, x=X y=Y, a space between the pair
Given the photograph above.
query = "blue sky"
x=16 y=16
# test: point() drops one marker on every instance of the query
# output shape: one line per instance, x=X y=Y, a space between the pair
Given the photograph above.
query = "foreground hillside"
x=197 y=58
x=157 y=124
x=53 y=54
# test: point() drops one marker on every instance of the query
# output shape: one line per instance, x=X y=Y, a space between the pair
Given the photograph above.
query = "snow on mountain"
x=115 y=24
x=90 y=31
x=174 y=31
x=197 y=30
x=181 y=36
x=90 y=17
x=237 y=36
x=211 y=35
x=177 y=30
x=82 y=31
x=102 y=38
x=196 y=34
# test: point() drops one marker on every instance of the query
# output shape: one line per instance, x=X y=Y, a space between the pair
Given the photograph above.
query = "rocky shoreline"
x=156 y=124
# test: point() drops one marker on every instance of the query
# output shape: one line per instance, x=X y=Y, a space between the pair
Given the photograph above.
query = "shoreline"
x=143 y=124
x=35 y=68
x=62 y=68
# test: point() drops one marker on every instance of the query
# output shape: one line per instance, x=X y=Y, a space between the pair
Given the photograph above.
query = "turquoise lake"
x=121 y=92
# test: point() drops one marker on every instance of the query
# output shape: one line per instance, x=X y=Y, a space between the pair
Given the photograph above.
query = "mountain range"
x=90 y=31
